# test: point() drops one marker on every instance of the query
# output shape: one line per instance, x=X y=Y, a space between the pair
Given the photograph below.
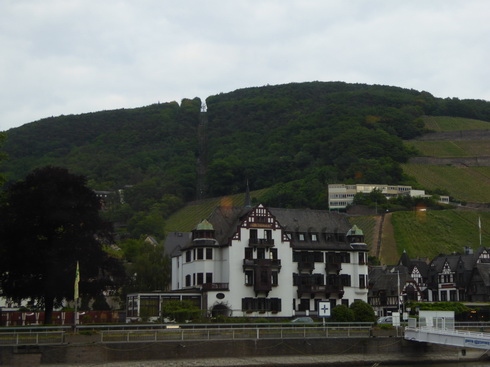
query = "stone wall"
x=96 y=353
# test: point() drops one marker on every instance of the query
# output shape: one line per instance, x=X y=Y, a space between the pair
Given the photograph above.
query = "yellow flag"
x=77 y=280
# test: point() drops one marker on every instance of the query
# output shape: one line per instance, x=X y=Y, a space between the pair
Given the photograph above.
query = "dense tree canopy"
x=48 y=222
x=270 y=136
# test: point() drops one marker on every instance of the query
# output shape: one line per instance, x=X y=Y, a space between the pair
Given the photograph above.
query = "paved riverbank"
x=278 y=361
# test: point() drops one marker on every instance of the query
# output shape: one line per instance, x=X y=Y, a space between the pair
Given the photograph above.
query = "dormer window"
x=301 y=236
x=314 y=237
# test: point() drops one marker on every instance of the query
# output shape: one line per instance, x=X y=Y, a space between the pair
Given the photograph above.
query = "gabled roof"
x=410 y=264
x=484 y=272
x=468 y=260
x=388 y=278
x=225 y=220
x=421 y=265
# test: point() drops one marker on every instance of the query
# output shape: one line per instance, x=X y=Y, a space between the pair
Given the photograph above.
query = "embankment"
x=285 y=352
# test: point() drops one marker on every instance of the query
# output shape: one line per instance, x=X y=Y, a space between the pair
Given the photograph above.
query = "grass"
x=445 y=123
x=463 y=183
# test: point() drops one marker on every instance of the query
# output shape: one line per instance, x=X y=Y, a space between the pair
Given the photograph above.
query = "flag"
x=77 y=280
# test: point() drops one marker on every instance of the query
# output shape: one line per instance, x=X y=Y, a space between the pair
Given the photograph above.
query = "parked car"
x=385 y=320
x=303 y=320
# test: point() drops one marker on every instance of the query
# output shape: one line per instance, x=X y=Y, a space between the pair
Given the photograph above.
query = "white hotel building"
x=263 y=262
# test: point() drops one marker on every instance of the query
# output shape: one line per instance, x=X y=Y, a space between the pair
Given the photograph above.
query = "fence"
x=32 y=338
x=241 y=333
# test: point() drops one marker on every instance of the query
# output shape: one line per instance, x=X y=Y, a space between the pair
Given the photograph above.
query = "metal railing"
x=230 y=333
x=32 y=338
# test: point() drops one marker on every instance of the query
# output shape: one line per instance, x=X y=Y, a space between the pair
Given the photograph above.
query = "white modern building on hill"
x=262 y=262
x=341 y=195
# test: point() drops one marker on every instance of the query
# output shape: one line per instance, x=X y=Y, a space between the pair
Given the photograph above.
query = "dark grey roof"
x=320 y=222
x=410 y=264
x=175 y=241
x=225 y=220
x=468 y=260
x=387 y=278
x=484 y=271
x=421 y=265
x=307 y=220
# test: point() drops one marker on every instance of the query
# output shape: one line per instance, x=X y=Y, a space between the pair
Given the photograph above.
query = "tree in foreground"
x=48 y=222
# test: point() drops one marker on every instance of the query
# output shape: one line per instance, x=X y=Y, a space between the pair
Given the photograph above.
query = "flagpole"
x=76 y=296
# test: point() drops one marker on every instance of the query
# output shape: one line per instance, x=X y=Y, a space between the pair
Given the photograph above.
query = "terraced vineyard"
x=456 y=162
x=452 y=148
x=445 y=123
x=469 y=184
x=427 y=234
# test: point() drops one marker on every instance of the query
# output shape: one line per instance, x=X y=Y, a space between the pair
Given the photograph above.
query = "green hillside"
x=427 y=234
x=468 y=148
x=464 y=180
x=469 y=184
x=288 y=141
x=448 y=123
x=293 y=138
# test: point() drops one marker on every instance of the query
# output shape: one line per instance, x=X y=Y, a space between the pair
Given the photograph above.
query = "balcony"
x=261 y=242
x=333 y=267
x=311 y=289
x=306 y=265
x=253 y=263
x=215 y=286
x=334 y=288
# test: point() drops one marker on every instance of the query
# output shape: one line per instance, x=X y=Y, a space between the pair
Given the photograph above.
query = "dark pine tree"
x=48 y=222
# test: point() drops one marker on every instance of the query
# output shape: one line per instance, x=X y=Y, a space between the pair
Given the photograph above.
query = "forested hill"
x=295 y=138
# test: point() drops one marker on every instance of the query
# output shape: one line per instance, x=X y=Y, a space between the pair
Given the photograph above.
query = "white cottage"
x=263 y=262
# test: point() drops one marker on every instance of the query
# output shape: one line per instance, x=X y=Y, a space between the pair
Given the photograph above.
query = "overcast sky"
x=75 y=56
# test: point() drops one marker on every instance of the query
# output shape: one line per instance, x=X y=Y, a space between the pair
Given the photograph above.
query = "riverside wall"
x=337 y=351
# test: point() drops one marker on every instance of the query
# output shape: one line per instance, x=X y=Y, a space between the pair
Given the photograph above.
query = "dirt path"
x=388 y=253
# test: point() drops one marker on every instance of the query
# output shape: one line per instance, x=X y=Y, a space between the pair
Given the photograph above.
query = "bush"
x=342 y=313
x=363 y=312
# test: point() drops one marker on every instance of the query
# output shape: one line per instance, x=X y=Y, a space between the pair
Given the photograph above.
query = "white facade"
x=340 y=195
x=263 y=262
